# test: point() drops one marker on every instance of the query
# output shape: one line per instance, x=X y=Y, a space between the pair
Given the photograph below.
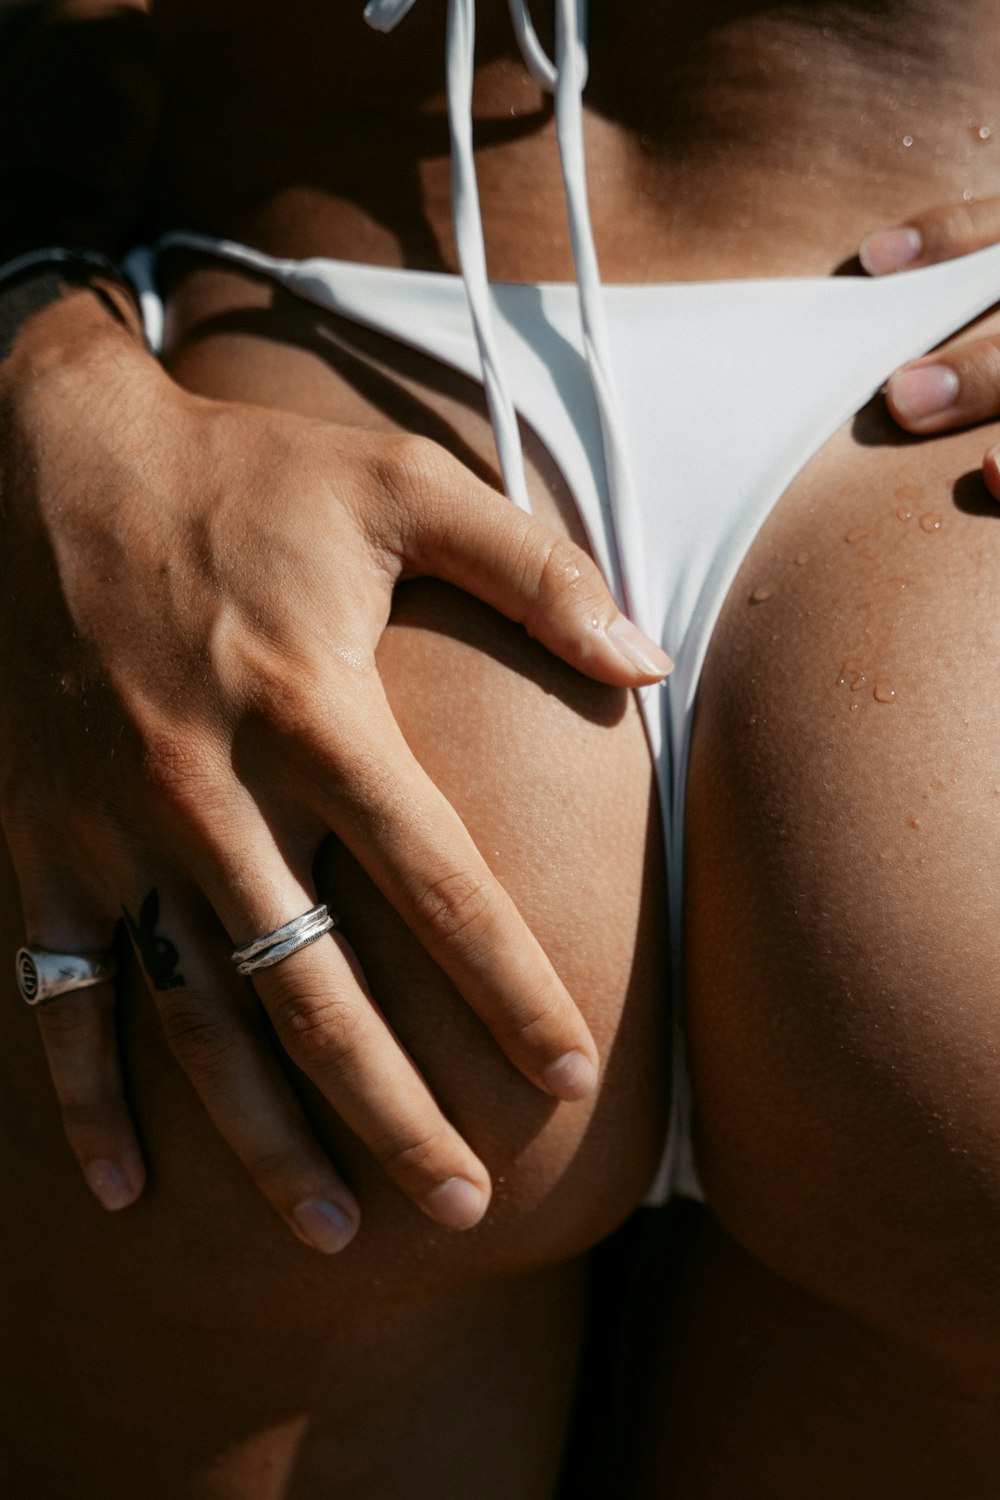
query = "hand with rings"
x=193 y=596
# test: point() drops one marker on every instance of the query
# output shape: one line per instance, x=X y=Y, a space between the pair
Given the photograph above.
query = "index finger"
x=407 y=836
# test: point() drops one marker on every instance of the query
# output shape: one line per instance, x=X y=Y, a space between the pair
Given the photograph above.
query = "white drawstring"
x=570 y=48
x=565 y=79
x=472 y=248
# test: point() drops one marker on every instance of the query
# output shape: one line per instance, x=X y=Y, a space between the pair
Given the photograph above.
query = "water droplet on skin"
x=858 y=682
x=907 y=140
x=884 y=691
x=848 y=671
x=801 y=558
x=855 y=707
x=904 y=513
x=968 y=195
x=856 y=533
x=930 y=522
x=983 y=133
x=763 y=592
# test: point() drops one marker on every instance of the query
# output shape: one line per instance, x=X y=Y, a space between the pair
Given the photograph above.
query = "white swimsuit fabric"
x=677 y=415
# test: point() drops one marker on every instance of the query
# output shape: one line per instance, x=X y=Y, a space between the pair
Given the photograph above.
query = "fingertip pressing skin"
x=571 y=1077
x=324 y=1225
x=991 y=471
x=112 y=1186
x=885 y=251
x=456 y=1203
x=638 y=650
x=922 y=393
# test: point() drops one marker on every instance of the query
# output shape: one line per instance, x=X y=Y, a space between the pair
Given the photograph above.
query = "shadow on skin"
x=970 y=495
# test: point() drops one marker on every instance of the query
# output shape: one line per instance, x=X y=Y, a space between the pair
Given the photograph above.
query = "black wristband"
x=62 y=255
x=32 y=281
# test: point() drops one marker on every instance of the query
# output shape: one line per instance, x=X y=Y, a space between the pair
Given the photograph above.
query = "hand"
x=962 y=386
x=192 y=599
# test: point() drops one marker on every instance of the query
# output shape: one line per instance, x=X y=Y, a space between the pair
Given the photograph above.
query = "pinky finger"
x=81 y=1045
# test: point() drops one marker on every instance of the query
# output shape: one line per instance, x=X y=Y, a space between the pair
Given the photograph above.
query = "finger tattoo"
x=159 y=955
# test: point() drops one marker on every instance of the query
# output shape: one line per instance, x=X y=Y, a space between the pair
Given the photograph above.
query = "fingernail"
x=638 y=649
x=886 y=250
x=324 y=1225
x=109 y=1185
x=923 y=391
x=572 y=1076
x=456 y=1203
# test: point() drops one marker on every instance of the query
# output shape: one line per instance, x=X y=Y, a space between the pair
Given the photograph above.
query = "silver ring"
x=271 y=947
x=43 y=975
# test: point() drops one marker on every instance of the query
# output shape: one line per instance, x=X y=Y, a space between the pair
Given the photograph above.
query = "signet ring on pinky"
x=44 y=975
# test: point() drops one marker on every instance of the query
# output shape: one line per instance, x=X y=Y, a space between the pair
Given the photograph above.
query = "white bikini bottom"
x=726 y=390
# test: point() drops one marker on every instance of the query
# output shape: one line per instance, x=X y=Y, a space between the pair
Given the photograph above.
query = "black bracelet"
x=61 y=255
x=33 y=281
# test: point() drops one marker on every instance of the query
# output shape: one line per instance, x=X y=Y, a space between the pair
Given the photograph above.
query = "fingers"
x=961 y=387
x=328 y=1024
x=211 y=1020
x=470 y=536
x=330 y=1027
x=991 y=472
x=414 y=846
x=936 y=235
x=948 y=390
x=78 y=1028
x=81 y=1046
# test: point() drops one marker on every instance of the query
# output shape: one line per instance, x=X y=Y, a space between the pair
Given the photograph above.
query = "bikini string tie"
x=564 y=79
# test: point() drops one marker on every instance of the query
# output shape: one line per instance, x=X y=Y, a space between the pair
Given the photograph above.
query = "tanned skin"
x=842 y=947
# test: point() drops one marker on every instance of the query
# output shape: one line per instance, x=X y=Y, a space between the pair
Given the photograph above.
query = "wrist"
x=50 y=320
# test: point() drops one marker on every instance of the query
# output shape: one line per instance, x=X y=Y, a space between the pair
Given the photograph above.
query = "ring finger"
x=212 y=1024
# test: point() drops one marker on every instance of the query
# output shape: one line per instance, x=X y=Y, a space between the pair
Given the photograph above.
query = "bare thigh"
x=843 y=956
x=190 y=1347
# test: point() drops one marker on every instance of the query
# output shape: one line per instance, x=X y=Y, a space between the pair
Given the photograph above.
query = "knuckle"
x=564 y=575
x=180 y=774
x=272 y=1167
x=950 y=228
x=284 y=698
x=202 y=1044
x=319 y=1030
x=408 y=461
x=413 y=1159
x=83 y=1119
x=456 y=909
x=980 y=373
x=534 y=1023
x=413 y=473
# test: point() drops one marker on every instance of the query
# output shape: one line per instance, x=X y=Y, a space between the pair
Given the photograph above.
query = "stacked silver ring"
x=272 y=947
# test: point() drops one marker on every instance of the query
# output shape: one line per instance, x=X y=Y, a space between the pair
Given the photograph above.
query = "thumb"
x=474 y=538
